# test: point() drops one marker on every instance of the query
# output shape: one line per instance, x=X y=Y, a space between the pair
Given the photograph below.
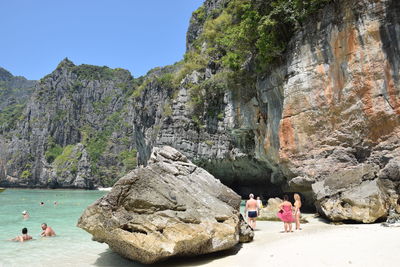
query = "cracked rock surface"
x=169 y=208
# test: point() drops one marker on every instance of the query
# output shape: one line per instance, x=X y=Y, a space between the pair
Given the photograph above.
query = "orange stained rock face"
x=381 y=126
x=349 y=88
x=394 y=100
x=327 y=84
x=286 y=138
x=267 y=143
x=344 y=45
x=362 y=83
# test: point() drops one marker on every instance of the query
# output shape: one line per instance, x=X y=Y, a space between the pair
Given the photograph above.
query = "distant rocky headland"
x=269 y=99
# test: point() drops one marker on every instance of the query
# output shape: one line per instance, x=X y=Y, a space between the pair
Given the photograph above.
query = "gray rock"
x=391 y=171
x=365 y=202
x=246 y=233
x=268 y=213
x=169 y=208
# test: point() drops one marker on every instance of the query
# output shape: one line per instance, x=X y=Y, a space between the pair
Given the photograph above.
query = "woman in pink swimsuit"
x=285 y=213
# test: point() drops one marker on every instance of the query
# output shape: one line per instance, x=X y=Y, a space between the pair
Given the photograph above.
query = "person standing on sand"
x=251 y=210
x=285 y=214
x=260 y=205
x=24 y=237
x=47 y=230
x=297 y=206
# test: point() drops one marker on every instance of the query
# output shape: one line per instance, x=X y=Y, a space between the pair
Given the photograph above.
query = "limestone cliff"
x=72 y=131
x=322 y=121
x=14 y=93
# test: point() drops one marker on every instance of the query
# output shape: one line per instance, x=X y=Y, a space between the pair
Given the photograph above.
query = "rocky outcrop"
x=72 y=132
x=393 y=219
x=326 y=116
x=268 y=213
x=169 y=208
x=340 y=121
x=14 y=94
x=246 y=233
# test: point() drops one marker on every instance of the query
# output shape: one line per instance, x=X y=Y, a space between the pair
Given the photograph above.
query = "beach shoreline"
x=320 y=243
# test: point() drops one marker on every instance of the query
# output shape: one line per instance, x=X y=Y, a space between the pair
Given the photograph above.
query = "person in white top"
x=259 y=204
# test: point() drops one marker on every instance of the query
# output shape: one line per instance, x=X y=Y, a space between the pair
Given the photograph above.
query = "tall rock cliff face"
x=323 y=122
x=72 y=132
x=339 y=126
x=14 y=93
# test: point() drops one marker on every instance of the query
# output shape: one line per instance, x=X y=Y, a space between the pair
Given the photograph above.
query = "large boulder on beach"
x=268 y=213
x=169 y=208
x=352 y=194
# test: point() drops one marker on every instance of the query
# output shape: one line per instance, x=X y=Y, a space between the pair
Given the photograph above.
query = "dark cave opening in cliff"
x=267 y=190
x=248 y=176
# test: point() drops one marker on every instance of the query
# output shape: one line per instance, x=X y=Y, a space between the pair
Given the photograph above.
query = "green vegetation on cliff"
x=14 y=93
x=128 y=159
x=10 y=116
x=90 y=72
x=237 y=42
x=251 y=31
x=67 y=160
x=53 y=150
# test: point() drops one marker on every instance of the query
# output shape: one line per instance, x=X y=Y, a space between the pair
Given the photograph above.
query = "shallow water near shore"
x=71 y=245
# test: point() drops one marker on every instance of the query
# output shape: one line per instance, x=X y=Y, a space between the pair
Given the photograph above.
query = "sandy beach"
x=318 y=244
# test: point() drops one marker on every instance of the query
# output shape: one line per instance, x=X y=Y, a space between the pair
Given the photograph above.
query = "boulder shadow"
x=110 y=258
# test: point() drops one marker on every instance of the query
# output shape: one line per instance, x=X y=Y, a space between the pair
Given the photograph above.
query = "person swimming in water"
x=24 y=237
x=251 y=210
x=47 y=231
x=25 y=215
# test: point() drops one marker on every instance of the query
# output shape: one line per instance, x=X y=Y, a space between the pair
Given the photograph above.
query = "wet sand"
x=318 y=244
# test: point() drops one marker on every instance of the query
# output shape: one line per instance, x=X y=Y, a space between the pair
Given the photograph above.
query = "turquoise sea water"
x=71 y=247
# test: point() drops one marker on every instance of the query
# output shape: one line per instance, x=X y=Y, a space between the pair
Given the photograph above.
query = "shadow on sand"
x=110 y=258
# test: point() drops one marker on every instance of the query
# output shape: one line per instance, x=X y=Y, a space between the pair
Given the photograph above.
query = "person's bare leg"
x=297 y=221
x=290 y=227
x=285 y=226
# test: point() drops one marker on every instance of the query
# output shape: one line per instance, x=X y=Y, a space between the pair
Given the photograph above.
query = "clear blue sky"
x=133 y=34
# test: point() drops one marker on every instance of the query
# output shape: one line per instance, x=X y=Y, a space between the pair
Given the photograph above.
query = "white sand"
x=318 y=244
